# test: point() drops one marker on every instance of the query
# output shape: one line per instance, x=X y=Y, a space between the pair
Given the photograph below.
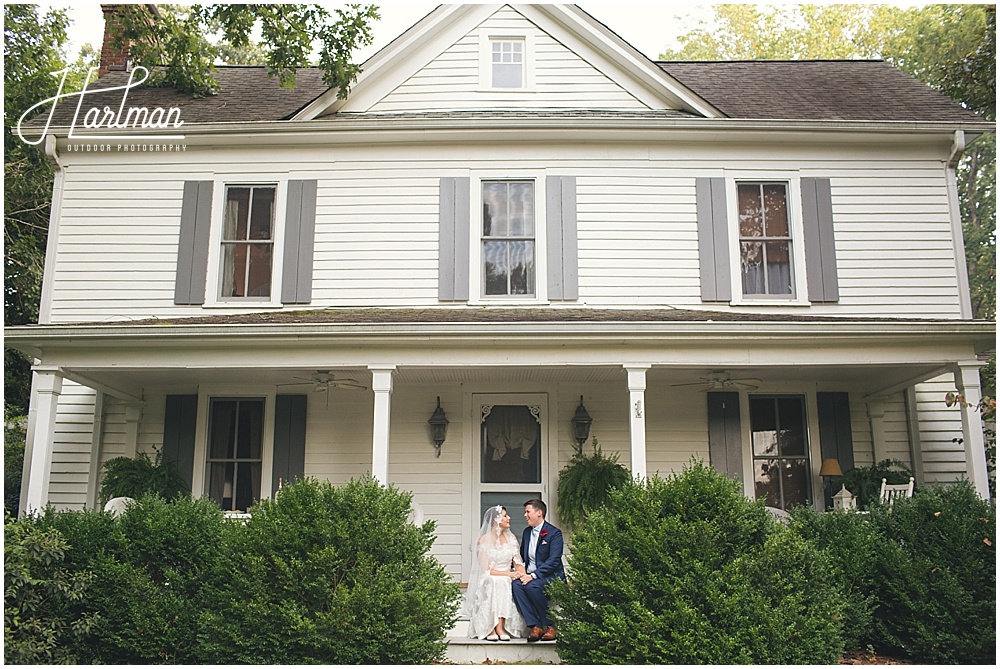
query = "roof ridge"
x=777 y=60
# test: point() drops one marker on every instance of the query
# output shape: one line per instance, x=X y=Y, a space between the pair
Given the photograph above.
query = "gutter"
x=22 y=335
x=387 y=123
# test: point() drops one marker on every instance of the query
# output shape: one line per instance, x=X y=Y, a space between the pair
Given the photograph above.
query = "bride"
x=496 y=562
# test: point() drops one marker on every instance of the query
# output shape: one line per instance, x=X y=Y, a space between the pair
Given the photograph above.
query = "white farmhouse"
x=513 y=213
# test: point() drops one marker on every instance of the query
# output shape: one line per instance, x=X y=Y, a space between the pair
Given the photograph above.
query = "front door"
x=510 y=465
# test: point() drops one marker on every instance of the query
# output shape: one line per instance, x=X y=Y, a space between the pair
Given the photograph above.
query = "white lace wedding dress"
x=493 y=599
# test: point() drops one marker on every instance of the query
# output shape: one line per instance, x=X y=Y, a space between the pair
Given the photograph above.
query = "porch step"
x=463 y=650
x=480 y=651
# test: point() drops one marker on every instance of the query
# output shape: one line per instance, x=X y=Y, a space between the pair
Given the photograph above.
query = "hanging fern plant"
x=585 y=482
x=135 y=477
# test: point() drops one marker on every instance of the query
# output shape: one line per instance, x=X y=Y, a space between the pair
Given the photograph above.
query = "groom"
x=541 y=550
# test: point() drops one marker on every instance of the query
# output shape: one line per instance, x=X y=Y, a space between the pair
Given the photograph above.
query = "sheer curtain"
x=510 y=428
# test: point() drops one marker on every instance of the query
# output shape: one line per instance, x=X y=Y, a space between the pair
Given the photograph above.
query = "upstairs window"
x=508 y=238
x=765 y=239
x=247 y=243
x=507 y=63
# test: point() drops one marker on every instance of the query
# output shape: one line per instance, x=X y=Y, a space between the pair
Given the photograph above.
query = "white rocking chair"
x=891 y=493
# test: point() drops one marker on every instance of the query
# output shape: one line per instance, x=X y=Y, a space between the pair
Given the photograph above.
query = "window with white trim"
x=247 y=251
x=508 y=238
x=765 y=239
x=235 y=451
x=780 y=445
x=507 y=60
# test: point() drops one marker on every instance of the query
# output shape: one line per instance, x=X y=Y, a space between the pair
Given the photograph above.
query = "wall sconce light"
x=581 y=426
x=439 y=427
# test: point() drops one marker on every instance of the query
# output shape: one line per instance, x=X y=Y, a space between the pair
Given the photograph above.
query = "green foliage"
x=138 y=476
x=688 y=571
x=176 y=41
x=320 y=574
x=851 y=542
x=13 y=462
x=865 y=483
x=32 y=50
x=154 y=568
x=38 y=589
x=333 y=575
x=936 y=577
x=584 y=484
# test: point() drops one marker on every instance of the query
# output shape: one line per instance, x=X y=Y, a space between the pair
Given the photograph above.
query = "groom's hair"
x=538 y=504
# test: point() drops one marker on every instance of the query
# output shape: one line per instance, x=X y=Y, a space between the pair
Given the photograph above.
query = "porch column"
x=967 y=381
x=637 y=417
x=382 y=385
x=39 y=440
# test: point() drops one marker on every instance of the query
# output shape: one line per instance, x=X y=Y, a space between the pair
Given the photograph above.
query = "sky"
x=648 y=26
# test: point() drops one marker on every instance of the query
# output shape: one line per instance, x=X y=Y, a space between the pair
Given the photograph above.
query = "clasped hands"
x=520 y=574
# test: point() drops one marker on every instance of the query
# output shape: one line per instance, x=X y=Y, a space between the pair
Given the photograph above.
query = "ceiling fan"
x=720 y=379
x=323 y=380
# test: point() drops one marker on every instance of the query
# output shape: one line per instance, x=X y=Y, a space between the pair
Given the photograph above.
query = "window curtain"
x=511 y=428
x=229 y=251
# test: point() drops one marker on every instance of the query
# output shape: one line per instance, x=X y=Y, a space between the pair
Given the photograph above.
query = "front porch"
x=103 y=391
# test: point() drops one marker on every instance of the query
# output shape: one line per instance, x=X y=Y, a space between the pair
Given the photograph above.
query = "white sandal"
x=505 y=637
x=492 y=636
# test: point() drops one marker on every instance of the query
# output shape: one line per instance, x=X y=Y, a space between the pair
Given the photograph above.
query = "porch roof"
x=402 y=316
x=872 y=355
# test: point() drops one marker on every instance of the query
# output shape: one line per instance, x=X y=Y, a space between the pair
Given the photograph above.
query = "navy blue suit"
x=530 y=599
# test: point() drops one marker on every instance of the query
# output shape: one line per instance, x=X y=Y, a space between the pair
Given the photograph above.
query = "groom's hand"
x=526 y=578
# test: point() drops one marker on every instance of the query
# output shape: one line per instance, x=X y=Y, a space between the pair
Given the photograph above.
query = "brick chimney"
x=112 y=59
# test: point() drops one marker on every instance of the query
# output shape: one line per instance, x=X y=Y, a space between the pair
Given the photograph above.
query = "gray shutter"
x=725 y=448
x=560 y=222
x=179 y=420
x=835 y=438
x=453 y=239
x=192 y=248
x=289 y=460
x=300 y=237
x=821 y=254
x=713 y=239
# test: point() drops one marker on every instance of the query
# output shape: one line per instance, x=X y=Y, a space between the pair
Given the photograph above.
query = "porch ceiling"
x=867 y=379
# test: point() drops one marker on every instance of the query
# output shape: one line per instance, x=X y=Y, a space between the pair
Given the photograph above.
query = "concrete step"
x=479 y=651
x=463 y=650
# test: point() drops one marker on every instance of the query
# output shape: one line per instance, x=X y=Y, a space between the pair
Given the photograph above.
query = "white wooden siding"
x=563 y=79
x=72 y=441
x=944 y=460
x=377 y=231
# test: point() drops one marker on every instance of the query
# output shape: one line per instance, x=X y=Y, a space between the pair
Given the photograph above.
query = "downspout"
x=958 y=240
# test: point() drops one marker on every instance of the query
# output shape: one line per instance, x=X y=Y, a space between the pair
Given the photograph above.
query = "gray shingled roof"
x=848 y=90
x=402 y=316
x=246 y=94
x=806 y=90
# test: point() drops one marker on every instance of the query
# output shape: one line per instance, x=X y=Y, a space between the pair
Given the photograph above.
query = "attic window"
x=507 y=63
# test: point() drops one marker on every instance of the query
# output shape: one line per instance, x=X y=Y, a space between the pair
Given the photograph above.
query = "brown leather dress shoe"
x=536 y=634
x=550 y=634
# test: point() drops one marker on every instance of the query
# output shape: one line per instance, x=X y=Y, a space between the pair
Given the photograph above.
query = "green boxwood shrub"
x=936 y=577
x=333 y=575
x=688 y=571
x=851 y=541
x=154 y=569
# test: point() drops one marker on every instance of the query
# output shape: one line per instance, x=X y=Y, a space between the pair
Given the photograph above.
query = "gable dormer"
x=509 y=57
